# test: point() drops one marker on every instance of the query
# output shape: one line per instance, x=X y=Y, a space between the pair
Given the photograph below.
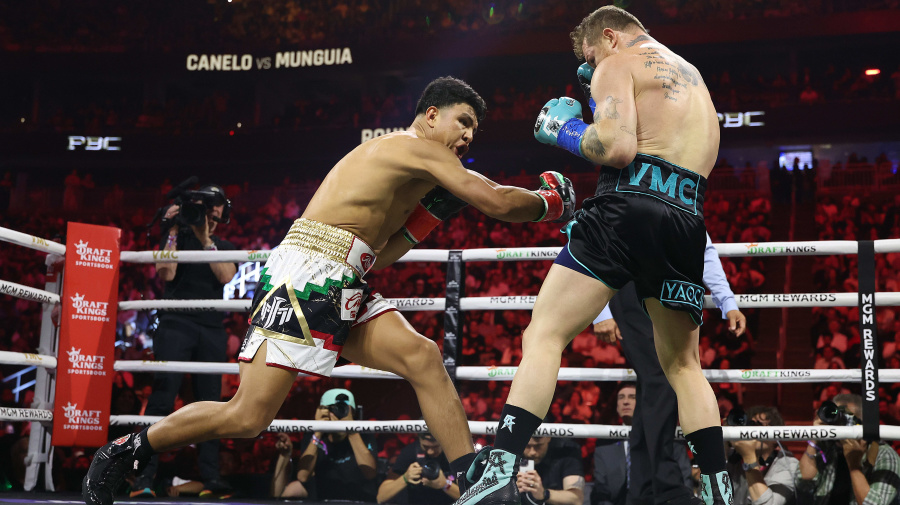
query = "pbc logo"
x=94 y=143
x=275 y=308
x=84 y=361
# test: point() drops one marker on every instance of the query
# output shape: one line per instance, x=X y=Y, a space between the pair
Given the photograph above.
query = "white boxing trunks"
x=310 y=295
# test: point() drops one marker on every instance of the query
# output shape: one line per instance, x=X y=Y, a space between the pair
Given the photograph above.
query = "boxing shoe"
x=716 y=489
x=108 y=469
x=471 y=475
x=497 y=483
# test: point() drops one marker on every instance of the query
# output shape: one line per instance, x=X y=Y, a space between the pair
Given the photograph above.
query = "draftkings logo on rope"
x=85 y=364
x=86 y=310
x=92 y=257
x=81 y=419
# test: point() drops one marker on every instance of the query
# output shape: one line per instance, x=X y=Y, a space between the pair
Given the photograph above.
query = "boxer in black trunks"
x=656 y=134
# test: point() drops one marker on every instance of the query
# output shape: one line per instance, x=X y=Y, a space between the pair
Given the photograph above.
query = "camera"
x=431 y=467
x=340 y=408
x=737 y=417
x=194 y=204
x=830 y=413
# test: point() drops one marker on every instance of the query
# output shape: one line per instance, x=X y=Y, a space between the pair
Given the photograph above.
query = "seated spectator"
x=420 y=475
x=333 y=466
x=828 y=358
x=551 y=472
x=848 y=471
x=762 y=472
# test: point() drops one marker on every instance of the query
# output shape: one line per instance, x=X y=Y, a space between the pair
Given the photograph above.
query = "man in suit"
x=612 y=461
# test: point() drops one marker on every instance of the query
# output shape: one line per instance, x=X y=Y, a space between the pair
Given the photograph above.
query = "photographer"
x=762 y=471
x=188 y=225
x=421 y=475
x=847 y=471
x=332 y=466
x=551 y=472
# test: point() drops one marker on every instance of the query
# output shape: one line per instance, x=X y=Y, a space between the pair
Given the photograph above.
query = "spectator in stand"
x=762 y=471
x=332 y=466
x=420 y=475
x=848 y=471
x=552 y=472
x=827 y=358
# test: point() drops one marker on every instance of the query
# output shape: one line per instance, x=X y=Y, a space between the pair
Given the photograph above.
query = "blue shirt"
x=713 y=277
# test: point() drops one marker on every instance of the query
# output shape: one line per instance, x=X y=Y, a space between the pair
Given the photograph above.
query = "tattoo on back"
x=639 y=38
x=673 y=72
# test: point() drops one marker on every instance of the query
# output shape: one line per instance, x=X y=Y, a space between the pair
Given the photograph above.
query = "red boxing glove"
x=558 y=196
x=436 y=206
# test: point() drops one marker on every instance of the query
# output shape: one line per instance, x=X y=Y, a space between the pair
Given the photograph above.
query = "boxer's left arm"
x=612 y=139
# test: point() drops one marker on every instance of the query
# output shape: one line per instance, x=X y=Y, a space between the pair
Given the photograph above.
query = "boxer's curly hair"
x=447 y=92
x=608 y=16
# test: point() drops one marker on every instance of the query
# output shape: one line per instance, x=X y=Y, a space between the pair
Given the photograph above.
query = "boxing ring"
x=453 y=305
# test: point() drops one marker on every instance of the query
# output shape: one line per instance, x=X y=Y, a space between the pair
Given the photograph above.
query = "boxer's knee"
x=422 y=355
x=544 y=338
x=243 y=421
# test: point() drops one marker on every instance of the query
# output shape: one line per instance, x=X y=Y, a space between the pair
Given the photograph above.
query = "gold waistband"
x=319 y=239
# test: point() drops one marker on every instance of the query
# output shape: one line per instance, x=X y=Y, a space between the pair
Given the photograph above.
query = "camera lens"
x=339 y=409
x=736 y=417
x=829 y=412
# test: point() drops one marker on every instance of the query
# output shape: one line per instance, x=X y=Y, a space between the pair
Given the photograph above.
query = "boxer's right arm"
x=437 y=164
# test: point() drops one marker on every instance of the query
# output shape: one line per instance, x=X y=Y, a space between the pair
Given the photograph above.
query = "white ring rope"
x=820 y=248
x=27 y=359
x=427 y=255
x=506 y=373
x=526 y=302
x=25 y=415
x=404 y=304
x=31 y=242
x=552 y=429
x=887 y=432
x=27 y=293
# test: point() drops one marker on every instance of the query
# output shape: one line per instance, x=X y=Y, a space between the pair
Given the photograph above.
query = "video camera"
x=194 y=204
x=830 y=413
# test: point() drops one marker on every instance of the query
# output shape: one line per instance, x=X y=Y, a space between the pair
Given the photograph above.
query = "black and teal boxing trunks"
x=644 y=223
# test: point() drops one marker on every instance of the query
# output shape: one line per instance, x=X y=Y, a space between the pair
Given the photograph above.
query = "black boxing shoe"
x=497 y=483
x=111 y=464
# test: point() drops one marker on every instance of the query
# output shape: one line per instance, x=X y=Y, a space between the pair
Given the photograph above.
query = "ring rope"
x=27 y=293
x=31 y=242
x=730 y=433
x=27 y=359
x=820 y=248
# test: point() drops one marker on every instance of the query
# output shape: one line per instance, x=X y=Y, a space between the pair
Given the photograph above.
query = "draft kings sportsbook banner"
x=87 y=336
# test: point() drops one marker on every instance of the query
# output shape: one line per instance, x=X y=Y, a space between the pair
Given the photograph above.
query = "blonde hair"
x=593 y=24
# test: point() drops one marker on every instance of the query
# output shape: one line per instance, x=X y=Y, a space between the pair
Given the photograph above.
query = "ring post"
x=868 y=332
x=453 y=316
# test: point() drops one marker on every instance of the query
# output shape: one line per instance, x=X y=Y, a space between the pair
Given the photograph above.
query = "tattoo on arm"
x=591 y=145
x=610 y=111
x=639 y=38
x=626 y=130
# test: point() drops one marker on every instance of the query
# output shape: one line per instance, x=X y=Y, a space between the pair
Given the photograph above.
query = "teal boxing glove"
x=585 y=74
x=559 y=124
